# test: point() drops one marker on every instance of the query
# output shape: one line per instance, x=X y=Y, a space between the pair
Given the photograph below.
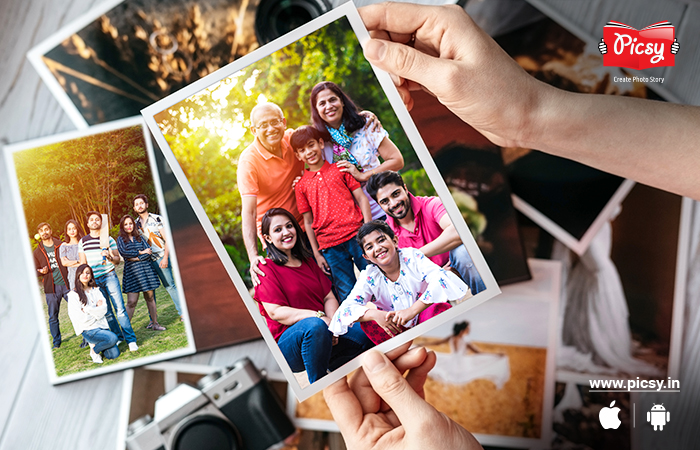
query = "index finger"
x=256 y=269
x=402 y=18
x=254 y=277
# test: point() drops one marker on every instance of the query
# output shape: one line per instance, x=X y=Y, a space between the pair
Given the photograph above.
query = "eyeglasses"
x=266 y=125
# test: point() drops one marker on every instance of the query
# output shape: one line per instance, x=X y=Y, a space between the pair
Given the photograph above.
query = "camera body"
x=231 y=409
x=274 y=18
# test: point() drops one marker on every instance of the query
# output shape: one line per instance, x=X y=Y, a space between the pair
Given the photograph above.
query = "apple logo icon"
x=608 y=417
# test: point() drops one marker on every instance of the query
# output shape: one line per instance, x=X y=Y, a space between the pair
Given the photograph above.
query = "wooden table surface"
x=84 y=414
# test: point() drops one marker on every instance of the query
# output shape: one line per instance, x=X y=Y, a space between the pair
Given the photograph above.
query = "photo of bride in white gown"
x=466 y=362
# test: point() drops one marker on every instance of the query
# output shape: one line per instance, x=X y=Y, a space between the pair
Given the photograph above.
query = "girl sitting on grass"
x=87 y=308
x=404 y=286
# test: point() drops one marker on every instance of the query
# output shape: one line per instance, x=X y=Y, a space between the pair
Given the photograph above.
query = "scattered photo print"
x=494 y=373
x=568 y=199
x=125 y=55
x=108 y=292
x=473 y=170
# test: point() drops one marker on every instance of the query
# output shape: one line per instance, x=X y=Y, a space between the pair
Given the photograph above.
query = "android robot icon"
x=658 y=416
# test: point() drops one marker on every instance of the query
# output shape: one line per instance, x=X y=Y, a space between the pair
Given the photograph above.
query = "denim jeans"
x=340 y=258
x=104 y=341
x=112 y=292
x=462 y=262
x=53 y=301
x=308 y=345
x=166 y=277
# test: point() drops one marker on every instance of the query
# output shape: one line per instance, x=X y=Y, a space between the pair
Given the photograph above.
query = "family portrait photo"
x=106 y=289
x=317 y=200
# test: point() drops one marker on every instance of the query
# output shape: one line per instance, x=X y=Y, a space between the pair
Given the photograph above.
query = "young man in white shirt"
x=152 y=227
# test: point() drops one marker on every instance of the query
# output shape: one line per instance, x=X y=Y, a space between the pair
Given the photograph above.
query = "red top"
x=427 y=212
x=328 y=195
x=302 y=287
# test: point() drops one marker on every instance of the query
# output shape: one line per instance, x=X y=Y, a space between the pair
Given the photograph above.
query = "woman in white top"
x=87 y=309
x=356 y=142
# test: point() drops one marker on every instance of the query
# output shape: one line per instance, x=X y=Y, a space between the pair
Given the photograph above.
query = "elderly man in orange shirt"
x=266 y=171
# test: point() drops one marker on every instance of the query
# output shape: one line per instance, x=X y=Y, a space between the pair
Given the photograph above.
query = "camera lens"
x=273 y=18
x=207 y=433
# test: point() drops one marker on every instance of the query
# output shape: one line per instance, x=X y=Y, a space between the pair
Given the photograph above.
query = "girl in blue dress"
x=139 y=275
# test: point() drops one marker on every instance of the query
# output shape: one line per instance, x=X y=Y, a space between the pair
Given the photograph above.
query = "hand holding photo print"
x=321 y=199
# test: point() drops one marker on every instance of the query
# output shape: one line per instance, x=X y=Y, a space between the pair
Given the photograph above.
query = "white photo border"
x=530 y=288
x=348 y=11
x=579 y=246
x=35 y=295
x=35 y=55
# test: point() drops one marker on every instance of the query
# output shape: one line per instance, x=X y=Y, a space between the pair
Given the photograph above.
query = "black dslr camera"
x=231 y=409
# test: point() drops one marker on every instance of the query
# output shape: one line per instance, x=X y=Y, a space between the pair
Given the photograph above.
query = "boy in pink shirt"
x=334 y=208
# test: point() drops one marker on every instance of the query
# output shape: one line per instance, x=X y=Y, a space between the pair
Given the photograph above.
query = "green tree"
x=100 y=172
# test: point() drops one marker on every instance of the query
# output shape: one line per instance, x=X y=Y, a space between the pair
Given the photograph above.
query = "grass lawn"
x=70 y=358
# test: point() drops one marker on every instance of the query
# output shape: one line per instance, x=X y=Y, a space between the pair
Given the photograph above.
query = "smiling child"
x=405 y=287
x=334 y=207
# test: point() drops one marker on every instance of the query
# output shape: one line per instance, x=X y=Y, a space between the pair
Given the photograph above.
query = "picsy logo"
x=652 y=46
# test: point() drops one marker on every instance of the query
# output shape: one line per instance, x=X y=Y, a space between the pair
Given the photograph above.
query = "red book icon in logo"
x=652 y=46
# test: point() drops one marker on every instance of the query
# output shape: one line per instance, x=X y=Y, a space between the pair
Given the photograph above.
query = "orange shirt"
x=269 y=178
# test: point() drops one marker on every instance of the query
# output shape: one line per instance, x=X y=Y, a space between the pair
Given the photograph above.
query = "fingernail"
x=396 y=79
x=375 y=49
x=374 y=361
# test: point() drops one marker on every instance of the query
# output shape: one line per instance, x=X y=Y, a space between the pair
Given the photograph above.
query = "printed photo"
x=107 y=294
x=570 y=200
x=322 y=201
x=622 y=306
x=212 y=297
x=473 y=170
x=124 y=55
x=494 y=372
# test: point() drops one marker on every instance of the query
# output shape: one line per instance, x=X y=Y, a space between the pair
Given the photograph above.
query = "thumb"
x=402 y=60
x=393 y=388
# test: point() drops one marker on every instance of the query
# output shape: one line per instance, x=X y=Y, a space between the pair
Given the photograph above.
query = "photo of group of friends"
x=100 y=271
x=340 y=237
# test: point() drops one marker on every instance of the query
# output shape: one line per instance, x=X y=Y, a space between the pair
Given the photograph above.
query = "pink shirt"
x=327 y=193
x=302 y=287
x=427 y=212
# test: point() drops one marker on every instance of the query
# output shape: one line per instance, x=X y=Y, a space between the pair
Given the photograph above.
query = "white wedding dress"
x=458 y=367
x=596 y=335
